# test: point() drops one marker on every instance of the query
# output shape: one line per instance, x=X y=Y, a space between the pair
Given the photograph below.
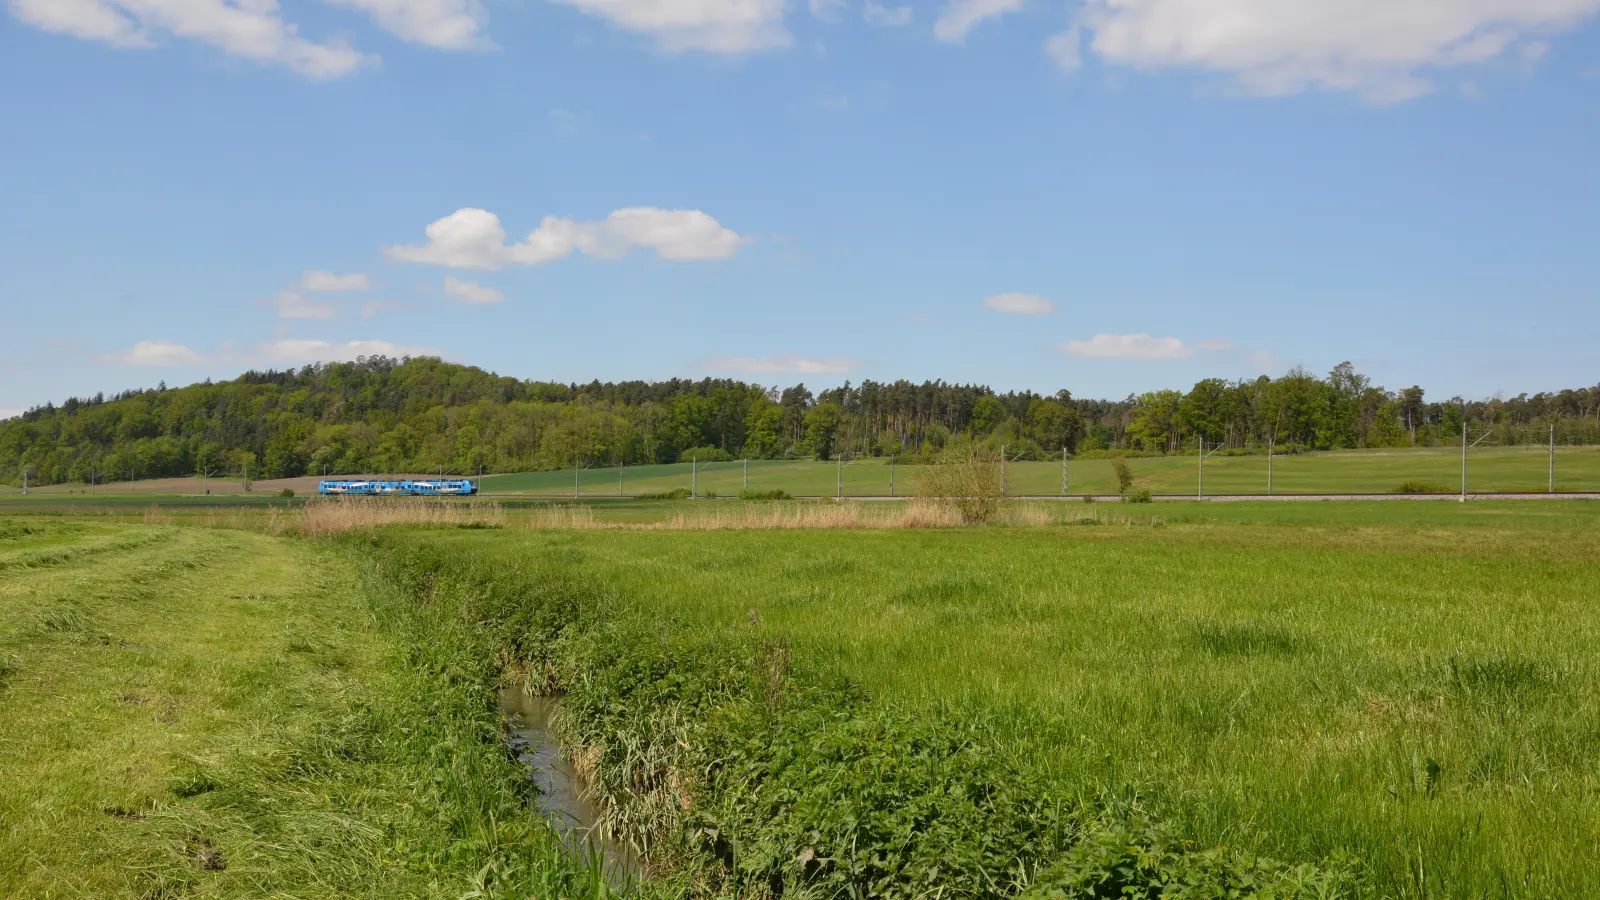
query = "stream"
x=562 y=793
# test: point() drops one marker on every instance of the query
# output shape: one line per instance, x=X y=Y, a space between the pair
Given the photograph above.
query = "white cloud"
x=826 y=10
x=961 y=16
x=1020 y=304
x=294 y=305
x=475 y=239
x=9 y=412
x=300 y=352
x=1216 y=344
x=157 y=353
x=470 y=291
x=1379 y=48
x=781 y=363
x=250 y=29
x=715 y=26
x=444 y=24
x=1129 y=346
x=1065 y=49
x=887 y=16
x=329 y=283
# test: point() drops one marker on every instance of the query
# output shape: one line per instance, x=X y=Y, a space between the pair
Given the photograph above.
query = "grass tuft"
x=1245 y=639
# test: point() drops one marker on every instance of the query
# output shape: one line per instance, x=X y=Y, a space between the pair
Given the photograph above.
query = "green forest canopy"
x=422 y=414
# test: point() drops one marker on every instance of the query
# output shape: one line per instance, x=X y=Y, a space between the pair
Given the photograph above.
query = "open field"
x=1358 y=699
x=1355 y=472
x=1491 y=470
x=214 y=713
x=1411 y=701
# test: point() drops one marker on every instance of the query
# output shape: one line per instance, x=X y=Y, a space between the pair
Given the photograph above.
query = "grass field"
x=1374 y=472
x=1325 y=700
x=1413 y=686
x=215 y=713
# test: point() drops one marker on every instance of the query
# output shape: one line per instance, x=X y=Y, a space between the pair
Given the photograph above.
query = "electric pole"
x=1552 y=458
x=1063 y=471
x=1002 y=471
x=840 y=489
x=1271 y=440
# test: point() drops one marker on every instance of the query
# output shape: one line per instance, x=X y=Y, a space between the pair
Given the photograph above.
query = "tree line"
x=379 y=414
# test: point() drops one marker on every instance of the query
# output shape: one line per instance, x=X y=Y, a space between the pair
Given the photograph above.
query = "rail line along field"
x=1342 y=472
x=1359 y=700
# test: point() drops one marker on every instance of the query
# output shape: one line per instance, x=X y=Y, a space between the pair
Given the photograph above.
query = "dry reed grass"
x=324 y=517
x=321 y=517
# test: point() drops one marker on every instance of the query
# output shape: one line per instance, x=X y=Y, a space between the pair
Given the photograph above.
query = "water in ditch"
x=562 y=796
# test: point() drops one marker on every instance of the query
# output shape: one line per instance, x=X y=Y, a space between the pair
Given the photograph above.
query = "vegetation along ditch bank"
x=739 y=768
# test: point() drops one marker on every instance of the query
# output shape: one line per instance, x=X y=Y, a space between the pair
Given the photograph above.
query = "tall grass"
x=1418 y=702
x=325 y=517
x=745 y=769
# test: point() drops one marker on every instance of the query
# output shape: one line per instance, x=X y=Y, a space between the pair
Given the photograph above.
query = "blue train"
x=457 y=487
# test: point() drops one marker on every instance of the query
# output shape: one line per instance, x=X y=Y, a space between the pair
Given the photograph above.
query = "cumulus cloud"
x=299 y=352
x=295 y=305
x=1066 y=49
x=443 y=24
x=470 y=291
x=887 y=16
x=715 y=26
x=329 y=283
x=1129 y=346
x=961 y=16
x=826 y=10
x=1379 y=48
x=1020 y=304
x=475 y=239
x=251 y=29
x=781 y=363
x=157 y=353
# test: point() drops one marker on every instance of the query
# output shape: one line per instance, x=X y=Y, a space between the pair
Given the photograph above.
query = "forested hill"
x=417 y=415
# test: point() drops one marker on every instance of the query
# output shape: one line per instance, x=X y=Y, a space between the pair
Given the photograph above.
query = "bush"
x=764 y=495
x=967 y=479
x=705 y=454
x=1423 y=487
x=1142 y=495
x=286 y=492
x=1124 y=473
x=674 y=494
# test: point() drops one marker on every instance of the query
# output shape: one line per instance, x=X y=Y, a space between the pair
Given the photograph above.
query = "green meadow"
x=1355 y=699
x=191 y=712
x=1338 y=472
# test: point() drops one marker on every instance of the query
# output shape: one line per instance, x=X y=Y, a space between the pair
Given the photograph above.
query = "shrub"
x=1422 y=487
x=286 y=492
x=966 y=479
x=674 y=494
x=1142 y=495
x=705 y=454
x=1124 y=473
x=764 y=495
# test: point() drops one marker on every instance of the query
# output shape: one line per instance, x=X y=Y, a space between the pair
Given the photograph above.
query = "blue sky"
x=1105 y=195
